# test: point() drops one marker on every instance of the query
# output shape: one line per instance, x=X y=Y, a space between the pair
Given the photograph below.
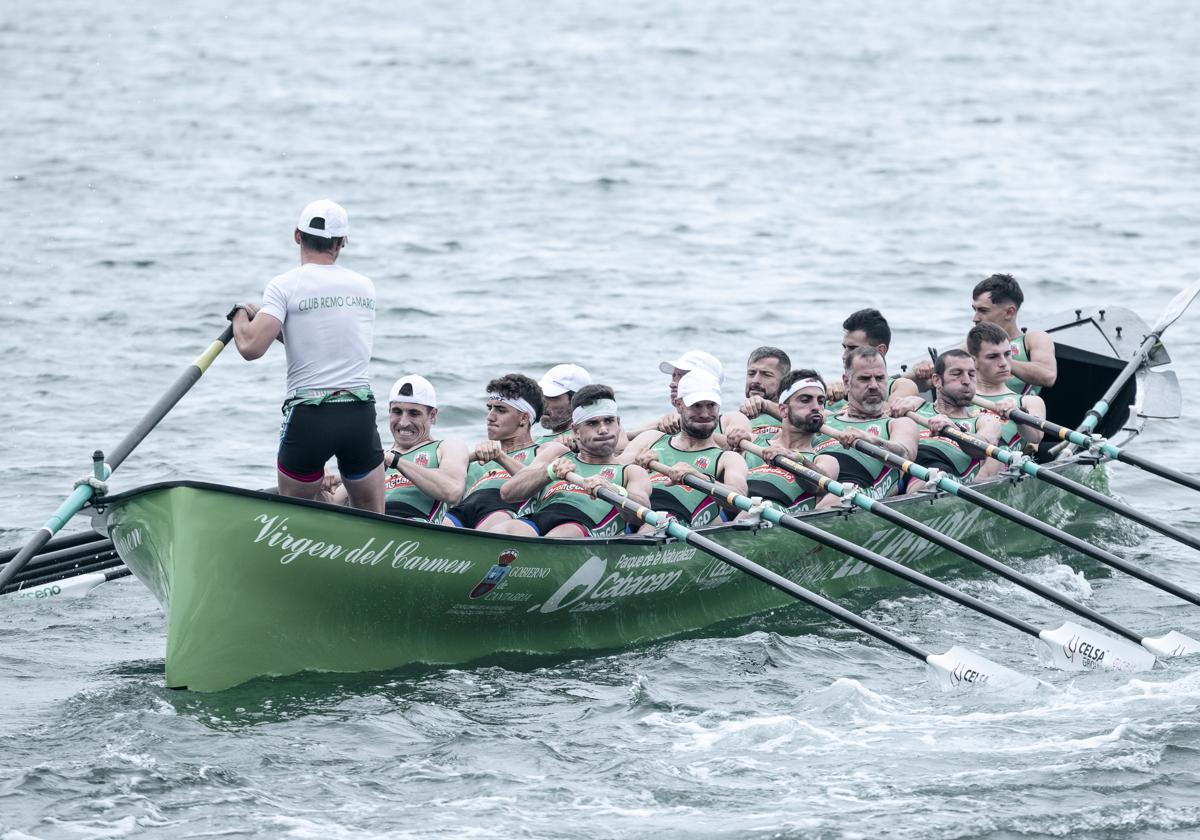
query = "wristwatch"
x=234 y=311
x=394 y=463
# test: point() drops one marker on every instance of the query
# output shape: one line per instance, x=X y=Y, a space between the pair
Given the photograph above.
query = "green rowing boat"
x=254 y=584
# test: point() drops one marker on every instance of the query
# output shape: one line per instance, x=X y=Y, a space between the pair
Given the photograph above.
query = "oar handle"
x=806 y=473
x=1023 y=417
x=83 y=493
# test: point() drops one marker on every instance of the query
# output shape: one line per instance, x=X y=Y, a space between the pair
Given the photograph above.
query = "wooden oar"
x=1170 y=315
x=83 y=493
x=1173 y=643
x=1055 y=646
x=1031 y=467
x=1087 y=441
x=956 y=668
x=865 y=502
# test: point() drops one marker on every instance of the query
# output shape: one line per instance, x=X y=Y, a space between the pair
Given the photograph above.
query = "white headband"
x=520 y=404
x=801 y=383
x=600 y=408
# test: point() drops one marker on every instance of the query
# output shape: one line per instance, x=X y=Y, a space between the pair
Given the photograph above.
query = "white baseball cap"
x=699 y=386
x=413 y=389
x=324 y=218
x=563 y=378
x=695 y=360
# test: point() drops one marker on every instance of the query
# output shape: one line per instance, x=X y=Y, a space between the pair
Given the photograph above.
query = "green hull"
x=254 y=584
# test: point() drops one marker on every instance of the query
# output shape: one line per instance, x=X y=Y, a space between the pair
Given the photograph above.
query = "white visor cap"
x=324 y=218
x=413 y=389
x=563 y=378
x=699 y=386
x=695 y=360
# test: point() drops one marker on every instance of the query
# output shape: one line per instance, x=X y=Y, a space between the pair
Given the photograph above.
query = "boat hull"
x=254 y=584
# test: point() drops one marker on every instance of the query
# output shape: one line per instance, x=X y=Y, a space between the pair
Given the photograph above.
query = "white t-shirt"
x=328 y=315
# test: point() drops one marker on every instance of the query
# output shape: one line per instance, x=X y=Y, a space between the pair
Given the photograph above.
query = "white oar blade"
x=75 y=587
x=959 y=668
x=1075 y=648
x=1177 y=306
x=1172 y=644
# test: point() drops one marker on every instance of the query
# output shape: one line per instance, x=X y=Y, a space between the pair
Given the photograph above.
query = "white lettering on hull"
x=405 y=556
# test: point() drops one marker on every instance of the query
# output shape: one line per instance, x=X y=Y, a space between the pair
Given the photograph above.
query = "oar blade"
x=959 y=668
x=1075 y=648
x=1177 y=307
x=1172 y=644
x=74 y=587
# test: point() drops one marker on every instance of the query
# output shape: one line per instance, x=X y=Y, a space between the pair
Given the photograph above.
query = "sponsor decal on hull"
x=496 y=574
x=592 y=587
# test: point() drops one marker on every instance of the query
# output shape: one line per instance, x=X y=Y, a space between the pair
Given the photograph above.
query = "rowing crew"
x=517 y=484
x=324 y=316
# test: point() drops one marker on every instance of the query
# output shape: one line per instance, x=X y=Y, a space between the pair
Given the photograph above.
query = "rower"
x=954 y=383
x=802 y=410
x=424 y=475
x=765 y=370
x=694 y=450
x=990 y=346
x=691 y=360
x=997 y=300
x=558 y=387
x=867 y=328
x=863 y=418
x=514 y=404
x=562 y=509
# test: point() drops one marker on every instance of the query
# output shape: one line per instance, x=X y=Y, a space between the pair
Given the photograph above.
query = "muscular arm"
x=904 y=435
x=902 y=388
x=445 y=481
x=1042 y=367
x=637 y=485
x=524 y=483
x=639 y=444
x=732 y=470
x=253 y=337
x=509 y=463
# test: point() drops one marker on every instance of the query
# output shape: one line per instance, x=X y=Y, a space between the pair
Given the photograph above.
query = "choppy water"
x=609 y=184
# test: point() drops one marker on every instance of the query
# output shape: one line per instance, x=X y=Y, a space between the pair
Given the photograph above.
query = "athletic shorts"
x=551 y=517
x=704 y=514
x=312 y=434
x=475 y=508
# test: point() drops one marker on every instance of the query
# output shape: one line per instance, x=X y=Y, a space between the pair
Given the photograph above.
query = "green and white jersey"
x=765 y=424
x=874 y=477
x=403 y=498
x=602 y=518
x=693 y=508
x=939 y=452
x=775 y=484
x=1010 y=432
x=552 y=437
x=492 y=475
x=1020 y=354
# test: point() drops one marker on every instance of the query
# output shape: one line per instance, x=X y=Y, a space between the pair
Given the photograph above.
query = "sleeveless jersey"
x=764 y=424
x=1010 y=432
x=775 y=484
x=601 y=518
x=1020 y=354
x=841 y=405
x=401 y=496
x=943 y=453
x=874 y=477
x=552 y=437
x=492 y=475
x=693 y=508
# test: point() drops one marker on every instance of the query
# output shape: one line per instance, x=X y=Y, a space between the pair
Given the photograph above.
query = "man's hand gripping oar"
x=85 y=490
x=956 y=668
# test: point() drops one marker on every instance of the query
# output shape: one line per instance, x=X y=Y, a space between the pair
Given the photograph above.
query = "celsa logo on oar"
x=496 y=574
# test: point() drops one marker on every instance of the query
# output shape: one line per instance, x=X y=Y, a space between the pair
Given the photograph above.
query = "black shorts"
x=850 y=470
x=546 y=520
x=312 y=434
x=474 y=508
x=935 y=459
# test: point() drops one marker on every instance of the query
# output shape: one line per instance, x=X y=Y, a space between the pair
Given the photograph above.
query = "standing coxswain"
x=325 y=316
